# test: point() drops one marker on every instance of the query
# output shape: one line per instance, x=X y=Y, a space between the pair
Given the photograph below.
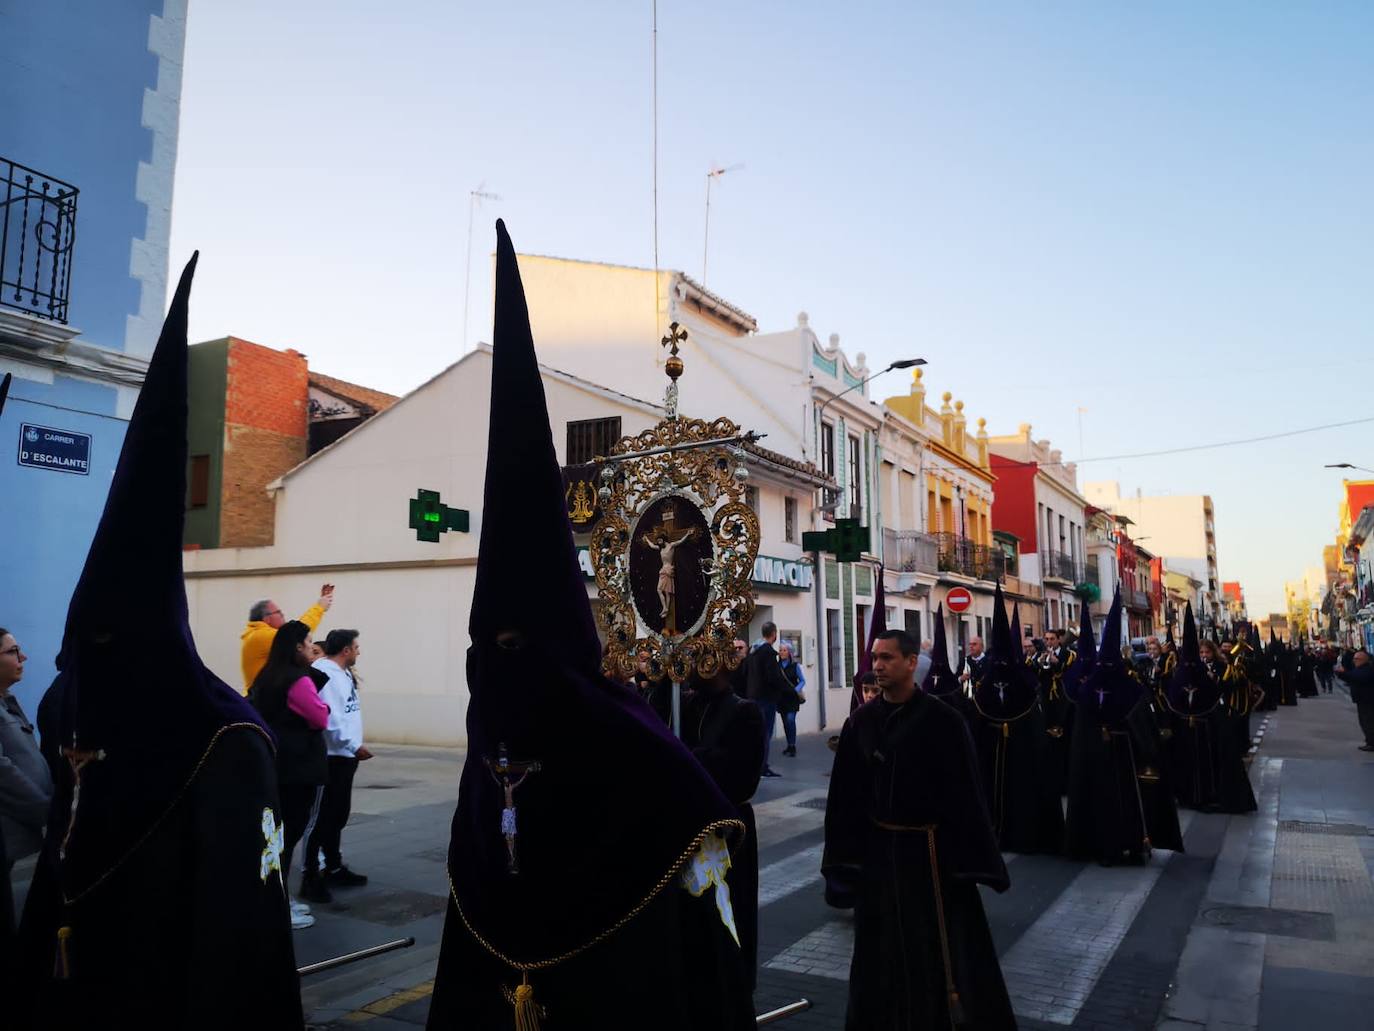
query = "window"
x=751 y=498
x=588 y=438
x=855 y=465
x=198 y=483
x=912 y=620
x=827 y=449
x=828 y=497
x=834 y=648
x=789 y=520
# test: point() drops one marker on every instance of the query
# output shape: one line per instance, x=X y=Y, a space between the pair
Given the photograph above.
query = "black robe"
x=1154 y=774
x=1059 y=717
x=1307 y=675
x=1288 y=678
x=1209 y=769
x=1021 y=789
x=186 y=932
x=907 y=842
x=1106 y=818
x=725 y=733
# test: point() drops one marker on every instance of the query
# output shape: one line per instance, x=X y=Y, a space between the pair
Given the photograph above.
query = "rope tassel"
x=527 y=1011
x=64 y=963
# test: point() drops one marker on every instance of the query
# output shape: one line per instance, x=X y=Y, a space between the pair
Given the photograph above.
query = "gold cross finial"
x=676 y=335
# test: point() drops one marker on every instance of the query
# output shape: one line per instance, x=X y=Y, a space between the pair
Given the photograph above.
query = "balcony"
x=1059 y=565
x=910 y=551
x=37 y=230
x=1135 y=599
x=960 y=555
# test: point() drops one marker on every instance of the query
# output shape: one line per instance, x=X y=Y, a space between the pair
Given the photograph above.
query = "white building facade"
x=343 y=517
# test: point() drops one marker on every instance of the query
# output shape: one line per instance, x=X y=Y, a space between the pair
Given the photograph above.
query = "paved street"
x=1265 y=922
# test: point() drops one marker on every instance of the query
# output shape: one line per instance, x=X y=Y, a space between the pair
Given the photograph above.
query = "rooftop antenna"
x=714 y=173
x=475 y=197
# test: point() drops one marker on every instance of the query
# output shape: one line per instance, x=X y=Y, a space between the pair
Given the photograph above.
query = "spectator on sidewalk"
x=767 y=682
x=287 y=694
x=25 y=785
x=868 y=686
x=344 y=748
x=264 y=620
x=739 y=676
x=1359 y=677
x=790 y=701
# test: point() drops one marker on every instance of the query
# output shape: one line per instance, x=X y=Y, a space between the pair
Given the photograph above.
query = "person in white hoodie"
x=344 y=742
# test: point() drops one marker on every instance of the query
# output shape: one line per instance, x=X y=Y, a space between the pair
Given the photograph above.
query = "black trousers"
x=298 y=805
x=1366 y=712
x=335 y=806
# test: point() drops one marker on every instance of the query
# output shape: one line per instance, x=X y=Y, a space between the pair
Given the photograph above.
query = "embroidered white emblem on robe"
x=273 y=844
x=709 y=866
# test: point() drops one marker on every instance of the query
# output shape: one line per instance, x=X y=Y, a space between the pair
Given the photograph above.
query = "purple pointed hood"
x=131 y=683
x=941 y=681
x=617 y=800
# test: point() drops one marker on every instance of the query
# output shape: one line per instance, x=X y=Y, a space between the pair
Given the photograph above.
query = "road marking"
x=798 y=871
x=381 y=1007
x=1054 y=966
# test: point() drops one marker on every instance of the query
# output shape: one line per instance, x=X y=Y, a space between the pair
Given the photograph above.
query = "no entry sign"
x=958 y=599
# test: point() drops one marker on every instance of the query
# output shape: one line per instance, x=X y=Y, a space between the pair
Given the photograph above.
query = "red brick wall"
x=265 y=435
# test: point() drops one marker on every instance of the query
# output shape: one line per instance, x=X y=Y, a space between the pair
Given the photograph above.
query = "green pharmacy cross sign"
x=430 y=517
x=847 y=541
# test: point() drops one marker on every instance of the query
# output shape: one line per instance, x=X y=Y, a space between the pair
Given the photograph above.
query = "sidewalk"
x=1284 y=937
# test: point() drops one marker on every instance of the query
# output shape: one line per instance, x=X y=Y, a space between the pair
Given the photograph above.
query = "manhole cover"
x=1290 y=923
x=812 y=803
x=1347 y=830
x=394 y=908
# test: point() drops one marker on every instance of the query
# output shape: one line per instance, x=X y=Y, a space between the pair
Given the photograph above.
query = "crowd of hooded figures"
x=1122 y=742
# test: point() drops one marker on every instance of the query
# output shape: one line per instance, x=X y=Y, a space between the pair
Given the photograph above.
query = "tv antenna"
x=475 y=197
x=713 y=174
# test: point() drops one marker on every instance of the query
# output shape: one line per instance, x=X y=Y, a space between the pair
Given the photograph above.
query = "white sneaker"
x=300 y=908
x=300 y=921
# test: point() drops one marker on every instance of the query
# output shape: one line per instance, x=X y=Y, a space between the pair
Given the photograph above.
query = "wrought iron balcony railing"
x=910 y=551
x=37 y=231
x=1132 y=598
x=1060 y=565
x=960 y=555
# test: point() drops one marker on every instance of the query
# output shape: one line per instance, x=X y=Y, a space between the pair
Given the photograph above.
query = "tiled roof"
x=363 y=396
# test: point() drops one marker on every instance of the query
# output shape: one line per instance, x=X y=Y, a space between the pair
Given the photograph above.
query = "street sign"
x=430 y=517
x=60 y=451
x=958 y=599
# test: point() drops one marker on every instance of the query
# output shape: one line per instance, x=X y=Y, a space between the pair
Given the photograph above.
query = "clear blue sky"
x=1160 y=212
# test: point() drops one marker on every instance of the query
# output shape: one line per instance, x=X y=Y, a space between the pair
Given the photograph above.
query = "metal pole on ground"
x=782 y=1012
x=353 y=957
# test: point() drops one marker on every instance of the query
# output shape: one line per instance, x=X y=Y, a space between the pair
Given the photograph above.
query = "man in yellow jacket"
x=264 y=620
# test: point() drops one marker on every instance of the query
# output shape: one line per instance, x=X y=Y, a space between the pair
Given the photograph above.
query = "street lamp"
x=1347 y=465
x=905 y=363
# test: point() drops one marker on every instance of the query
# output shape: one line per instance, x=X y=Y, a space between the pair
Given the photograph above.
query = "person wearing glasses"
x=25 y=783
x=264 y=620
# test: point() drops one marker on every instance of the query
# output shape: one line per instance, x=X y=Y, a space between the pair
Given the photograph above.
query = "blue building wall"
x=90 y=94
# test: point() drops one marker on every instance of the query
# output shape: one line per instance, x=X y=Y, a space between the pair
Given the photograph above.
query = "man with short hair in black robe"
x=907 y=842
x=159 y=900
x=589 y=861
x=1013 y=749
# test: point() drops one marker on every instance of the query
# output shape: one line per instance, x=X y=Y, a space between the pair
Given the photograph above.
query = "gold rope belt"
x=928 y=829
x=527 y=1013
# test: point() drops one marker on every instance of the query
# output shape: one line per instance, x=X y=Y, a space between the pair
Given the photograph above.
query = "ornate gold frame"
x=710 y=477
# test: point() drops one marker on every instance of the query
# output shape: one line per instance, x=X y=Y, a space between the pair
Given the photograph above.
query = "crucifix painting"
x=670 y=543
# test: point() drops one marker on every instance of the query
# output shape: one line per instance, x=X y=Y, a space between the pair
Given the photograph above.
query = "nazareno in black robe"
x=1059 y=716
x=1154 y=774
x=725 y=733
x=1209 y=769
x=1106 y=812
x=1014 y=758
x=907 y=842
x=185 y=932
